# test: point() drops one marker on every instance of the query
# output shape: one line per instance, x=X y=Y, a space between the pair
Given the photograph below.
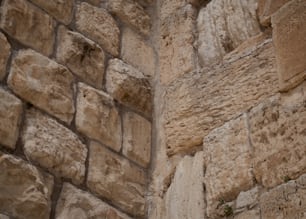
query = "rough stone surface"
x=75 y=203
x=2 y=216
x=129 y=86
x=116 y=179
x=249 y=214
x=28 y=24
x=10 y=115
x=5 y=53
x=136 y=138
x=289 y=38
x=97 y=117
x=44 y=83
x=82 y=56
x=54 y=147
x=24 y=191
x=247 y=198
x=98 y=25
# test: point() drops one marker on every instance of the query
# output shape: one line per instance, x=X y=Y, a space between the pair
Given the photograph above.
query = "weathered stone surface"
x=116 y=179
x=24 y=191
x=200 y=101
x=54 y=147
x=28 y=24
x=223 y=25
x=250 y=214
x=2 y=216
x=75 y=203
x=137 y=52
x=278 y=134
x=289 y=38
x=227 y=158
x=81 y=55
x=10 y=115
x=61 y=10
x=129 y=86
x=170 y=7
x=4 y=55
x=136 y=138
x=97 y=117
x=44 y=83
x=99 y=26
x=266 y=8
x=247 y=198
x=94 y=2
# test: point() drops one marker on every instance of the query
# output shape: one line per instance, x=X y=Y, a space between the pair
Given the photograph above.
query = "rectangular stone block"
x=4 y=55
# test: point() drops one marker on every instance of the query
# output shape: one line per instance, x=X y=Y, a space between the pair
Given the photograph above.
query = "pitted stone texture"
x=99 y=26
x=136 y=138
x=169 y=7
x=82 y=56
x=75 y=203
x=116 y=179
x=245 y=78
x=129 y=86
x=44 y=83
x=61 y=10
x=54 y=147
x=289 y=38
x=223 y=25
x=137 y=52
x=28 y=24
x=132 y=13
x=278 y=134
x=97 y=117
x=10 y=116
x=227 y=159
x=24 y=191
x=4 y=55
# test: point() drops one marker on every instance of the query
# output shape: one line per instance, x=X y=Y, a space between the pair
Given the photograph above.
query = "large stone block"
x=10 y=116
x=24 y=191
x=54 y=147
x=28 y=24
x=289 y=38
x=81 y=55
x=5 y=53
x=98 y=25
x=116 y=179
x=44 y=83
x=97 y=117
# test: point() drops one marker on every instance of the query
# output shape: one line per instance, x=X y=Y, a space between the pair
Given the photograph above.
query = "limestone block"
x=24 y=191
x=97 y=117
x=44 y=83
x=136 y=138
x=137 y=52
x=61 y=10
x=289 y=38
x=54 y=147
x=169 y=7
x=10 y=116
x=249 y=214
x=116 y=179
x=28 y=24
x=75 y=203
x=98 y=25
x=247 y=198
x=278 y=134
x=129 y=86
x=82 y=56
x=4 y=55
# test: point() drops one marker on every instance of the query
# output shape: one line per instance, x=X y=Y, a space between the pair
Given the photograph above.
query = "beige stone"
x=2 y=216
x=5 y=53
x=54 y=147
x=115 y=178
x=44 y=83
x=97 y=117
x=24 y=191
x=129 y=86
x=82 y=56
x=249 y=214
x=10 y=116
x=98 y=25
x=94 y=2
x=247 y=198
x=168 y=8
x=75 y=203
x=289 y=38
x=28 y=24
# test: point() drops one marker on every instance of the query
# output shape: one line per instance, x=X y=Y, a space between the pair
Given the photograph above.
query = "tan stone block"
x=247 y=198
x=249 y=214
x=289 y=38
x=10 y=116
x=169 y=7
x=54 y=147
x=24 y=191
x=28 y=24
x=81 y=55
x=97 y=117
x=98 y=25
x=4 y=55
x=116 y=179
x=44 y=83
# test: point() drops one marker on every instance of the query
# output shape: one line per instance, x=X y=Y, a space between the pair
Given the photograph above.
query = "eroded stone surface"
x=249 y=214
x=4 y=55
x=266 y=8
x=247 y=198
